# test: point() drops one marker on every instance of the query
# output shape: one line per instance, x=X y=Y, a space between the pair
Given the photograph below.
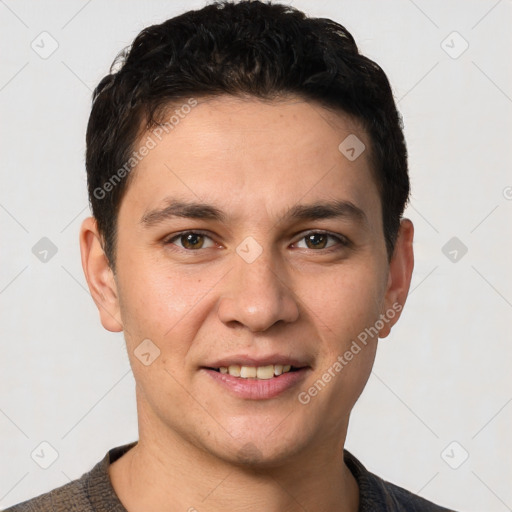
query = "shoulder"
x=92 y=492
x=408 y=501
x=378 y=495
x=69 y=497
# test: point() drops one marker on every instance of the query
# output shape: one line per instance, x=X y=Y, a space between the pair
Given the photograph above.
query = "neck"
x=165 y=473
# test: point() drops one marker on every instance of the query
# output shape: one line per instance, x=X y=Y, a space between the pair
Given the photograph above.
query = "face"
x=249 y=243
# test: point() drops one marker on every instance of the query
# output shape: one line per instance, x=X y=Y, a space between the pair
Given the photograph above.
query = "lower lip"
x=258 y=389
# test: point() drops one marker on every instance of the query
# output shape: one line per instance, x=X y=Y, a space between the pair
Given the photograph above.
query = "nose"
x=257 y=295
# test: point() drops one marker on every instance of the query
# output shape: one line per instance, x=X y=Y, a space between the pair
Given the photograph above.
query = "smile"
x=255 y=372
x=257 y=382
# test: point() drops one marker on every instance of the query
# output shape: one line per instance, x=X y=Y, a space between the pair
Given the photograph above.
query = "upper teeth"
x=255 y=372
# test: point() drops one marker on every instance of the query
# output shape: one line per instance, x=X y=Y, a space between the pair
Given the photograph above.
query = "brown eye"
x=319 y=240
x=189 y=240
x=316 y=241
x=192 y=241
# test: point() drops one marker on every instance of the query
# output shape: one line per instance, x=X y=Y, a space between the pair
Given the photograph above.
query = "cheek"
x=153 y=294
x=167 y=306
x=344 y=317
x=346 y=302
x=158 y=306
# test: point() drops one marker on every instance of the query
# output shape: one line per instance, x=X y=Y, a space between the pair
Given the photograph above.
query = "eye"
x=194 y=240
x=319 y=240
x=190 y=240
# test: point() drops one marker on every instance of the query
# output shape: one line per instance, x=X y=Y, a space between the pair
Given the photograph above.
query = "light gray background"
x=443 y=375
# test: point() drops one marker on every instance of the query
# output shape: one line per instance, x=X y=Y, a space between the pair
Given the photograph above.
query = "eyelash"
x=342 y=241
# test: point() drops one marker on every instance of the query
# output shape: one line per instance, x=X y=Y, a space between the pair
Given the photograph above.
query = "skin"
x=199 y=446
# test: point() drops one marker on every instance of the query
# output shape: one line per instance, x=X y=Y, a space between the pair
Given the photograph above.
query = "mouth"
x=257 y=382
x=266 y=372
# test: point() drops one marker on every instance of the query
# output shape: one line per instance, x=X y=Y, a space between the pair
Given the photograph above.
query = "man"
x=247 y=174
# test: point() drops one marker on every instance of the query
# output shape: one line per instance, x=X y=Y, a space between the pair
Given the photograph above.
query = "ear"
x=399 y=277
x=99 y=276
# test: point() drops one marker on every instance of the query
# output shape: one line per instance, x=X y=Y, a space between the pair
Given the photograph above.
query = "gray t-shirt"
x=93 y=492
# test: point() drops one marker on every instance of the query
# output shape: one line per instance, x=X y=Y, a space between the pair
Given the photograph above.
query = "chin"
x=259 y=452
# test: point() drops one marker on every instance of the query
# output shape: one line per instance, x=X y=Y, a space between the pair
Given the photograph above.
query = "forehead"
x=249 y=155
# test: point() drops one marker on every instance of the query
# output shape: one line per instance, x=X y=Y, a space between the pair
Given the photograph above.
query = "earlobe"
x=399 y=277
x=99 y=276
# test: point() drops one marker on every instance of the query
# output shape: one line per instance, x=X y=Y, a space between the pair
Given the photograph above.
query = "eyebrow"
x=314 y=211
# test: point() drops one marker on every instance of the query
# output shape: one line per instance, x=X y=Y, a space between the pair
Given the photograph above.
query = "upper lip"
x=246 y=360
